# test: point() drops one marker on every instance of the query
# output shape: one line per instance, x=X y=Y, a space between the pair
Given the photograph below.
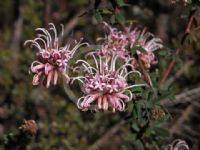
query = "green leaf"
x=134 y=112
x=163 y=53
x=133 y=50
x=161 y=131
x=137 y=89
x=121 y=3
x=139 y=111
x=154 y=78
x=98 y=16
x=106 y=12
x=135 y=127
x=112 y=19
x=120 y=18
x=123 y=147
x=132 y=136
x=139 y=48
x=139 y=145
x=193 y=37
x=148 y=95
x=149 y=104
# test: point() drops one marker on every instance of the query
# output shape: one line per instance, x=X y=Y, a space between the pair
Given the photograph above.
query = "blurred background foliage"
x=60 y=124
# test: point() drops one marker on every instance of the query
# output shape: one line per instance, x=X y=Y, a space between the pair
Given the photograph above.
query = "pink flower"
x=52 y=59
x=149 y=43
x=177 y=145
x=147 y=59
x=133 y=36
x=119 y=42
x=105 y=86
x=116 y=41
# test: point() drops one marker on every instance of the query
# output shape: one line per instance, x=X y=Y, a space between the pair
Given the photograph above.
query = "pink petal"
x=48 y=68
x=45 y=54
x=118 y=104
x=55 y=77
x=36 y=68
x=100 y=102
x=36 y=79
x=49 y=76
x=87 y=101
x=112 y=100
x=105 y=102
x=56 y=55
x=122 y=96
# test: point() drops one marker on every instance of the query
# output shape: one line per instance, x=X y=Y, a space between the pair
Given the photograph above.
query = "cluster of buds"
x=52 y=59
x=103 y=84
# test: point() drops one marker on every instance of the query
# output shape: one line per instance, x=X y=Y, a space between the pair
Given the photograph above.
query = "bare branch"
x=183 y=97
x=184 y=69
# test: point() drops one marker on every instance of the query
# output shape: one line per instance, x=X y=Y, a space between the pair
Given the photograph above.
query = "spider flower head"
x=149 y=43
x=104 y=85
x=51 y=58
x=116 y=41
x=178 y=144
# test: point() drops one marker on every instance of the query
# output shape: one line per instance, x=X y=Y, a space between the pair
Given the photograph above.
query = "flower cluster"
x=52 y=59
x=104 y=83
x=120 y=41
x=104 y=86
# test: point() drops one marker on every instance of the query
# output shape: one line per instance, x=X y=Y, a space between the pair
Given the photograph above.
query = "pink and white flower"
x=117 y=42
x=178 y=144
x=104 y=85
x=52 y=59
x=149 y=43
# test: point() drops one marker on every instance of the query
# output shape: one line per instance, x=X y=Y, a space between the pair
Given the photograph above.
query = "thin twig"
x=188 y=28
x=144 y=73
x=184 y=97
x=172 y=63
x=169 y=69
x=185 y=67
